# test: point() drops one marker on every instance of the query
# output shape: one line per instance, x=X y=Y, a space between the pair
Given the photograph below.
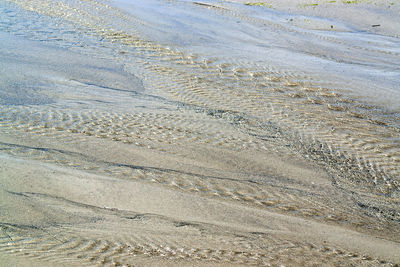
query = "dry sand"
x=119 y=150
x=378 y=17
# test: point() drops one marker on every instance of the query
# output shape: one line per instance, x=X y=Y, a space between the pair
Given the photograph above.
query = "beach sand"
x=376 y=17
x=205 y=133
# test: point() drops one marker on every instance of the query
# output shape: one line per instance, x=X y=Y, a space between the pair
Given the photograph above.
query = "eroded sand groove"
x=215 y=103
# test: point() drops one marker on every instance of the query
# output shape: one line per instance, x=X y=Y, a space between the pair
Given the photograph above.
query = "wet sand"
x=205 y=133
x=376 y=17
